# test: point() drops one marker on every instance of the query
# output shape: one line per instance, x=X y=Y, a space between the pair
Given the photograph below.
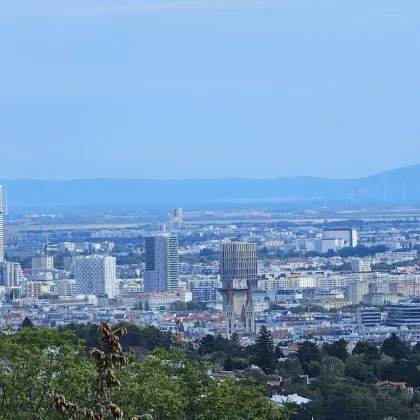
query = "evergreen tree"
x=228 y=365
x=147 y=306
x=263 y=351
x=395 y=347
x=27 y=323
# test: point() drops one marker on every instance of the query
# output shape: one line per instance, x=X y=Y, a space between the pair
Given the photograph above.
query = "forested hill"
x=395 y=186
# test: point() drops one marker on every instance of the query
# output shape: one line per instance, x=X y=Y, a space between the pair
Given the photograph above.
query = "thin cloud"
x=143 y=6
x=389 y=16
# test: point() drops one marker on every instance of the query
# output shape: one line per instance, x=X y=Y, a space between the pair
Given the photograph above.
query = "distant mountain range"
x=397 y=186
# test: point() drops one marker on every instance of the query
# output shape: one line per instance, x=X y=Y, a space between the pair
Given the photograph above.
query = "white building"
x=323 y=245
x=42 y=263
x=348 y=235
x=95 y=275
x=11 y=274
x=66 y=288
x=162 y=263
x=360 y=266
x=356 y=291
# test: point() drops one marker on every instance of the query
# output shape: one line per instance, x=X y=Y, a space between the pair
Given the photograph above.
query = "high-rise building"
x=95 y=275
x=1 y=227
x=238 y=271
x=177 y=214
x=42 y=263
x=162 y=263
x=238 y=261
x=11 y=274
x=357 y=290
x=360 y=266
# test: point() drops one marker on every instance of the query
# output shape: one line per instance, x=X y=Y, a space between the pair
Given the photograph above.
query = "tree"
x=27 y=323
x=178 y=306
x=147 y=306
x=228 y=365
x=308 y=352
x=394 y=347
x=263 y=351
x=139 y=306
x=337 y=349
x=164 y=386
x=331 y=366
x=107 y=358
x=363 y=347
x=355 y=368
x=278 y=353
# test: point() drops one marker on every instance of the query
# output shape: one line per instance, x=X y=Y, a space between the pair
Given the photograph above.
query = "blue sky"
x=208 y=88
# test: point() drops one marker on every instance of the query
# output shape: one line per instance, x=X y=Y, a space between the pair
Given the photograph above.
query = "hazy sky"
x=208 y=88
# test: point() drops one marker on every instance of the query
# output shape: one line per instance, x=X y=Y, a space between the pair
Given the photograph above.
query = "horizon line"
x=104 y=178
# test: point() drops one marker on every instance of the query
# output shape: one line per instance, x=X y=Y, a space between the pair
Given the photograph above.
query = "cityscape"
x=319 y=276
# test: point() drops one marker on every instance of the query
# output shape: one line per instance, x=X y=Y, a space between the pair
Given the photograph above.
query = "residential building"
x=66 y=288
x=95 y=275
x=163 y=300
x=11 y=274
x=357 y=290
x=368 y=317
x=360 y=266
x=42 y=263
x=379 y=299
x=162 y=263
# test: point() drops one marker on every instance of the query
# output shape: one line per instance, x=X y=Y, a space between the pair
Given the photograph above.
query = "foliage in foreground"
x=165 y=385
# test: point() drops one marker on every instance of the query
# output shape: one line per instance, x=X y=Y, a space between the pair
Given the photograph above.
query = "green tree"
x=394 y=347
x=363 y=347
x=107 y=358
x=337 y=349
x=147 y=306
x=27 y=323
x=308 y=352
x=139 y=306
x=228 y=364
x=331 y=366
x=355 y=368
x=263 y=351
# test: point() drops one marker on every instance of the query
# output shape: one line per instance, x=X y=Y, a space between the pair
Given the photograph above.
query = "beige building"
x=42 y=263
x=356 y=291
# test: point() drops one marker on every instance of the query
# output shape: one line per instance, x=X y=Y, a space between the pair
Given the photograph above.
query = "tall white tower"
x=1 y=227
x=95 y=275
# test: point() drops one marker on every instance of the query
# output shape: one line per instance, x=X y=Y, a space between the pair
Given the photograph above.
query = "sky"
x=175 y=89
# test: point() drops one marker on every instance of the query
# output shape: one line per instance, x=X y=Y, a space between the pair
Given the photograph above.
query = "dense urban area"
x=306 y=315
